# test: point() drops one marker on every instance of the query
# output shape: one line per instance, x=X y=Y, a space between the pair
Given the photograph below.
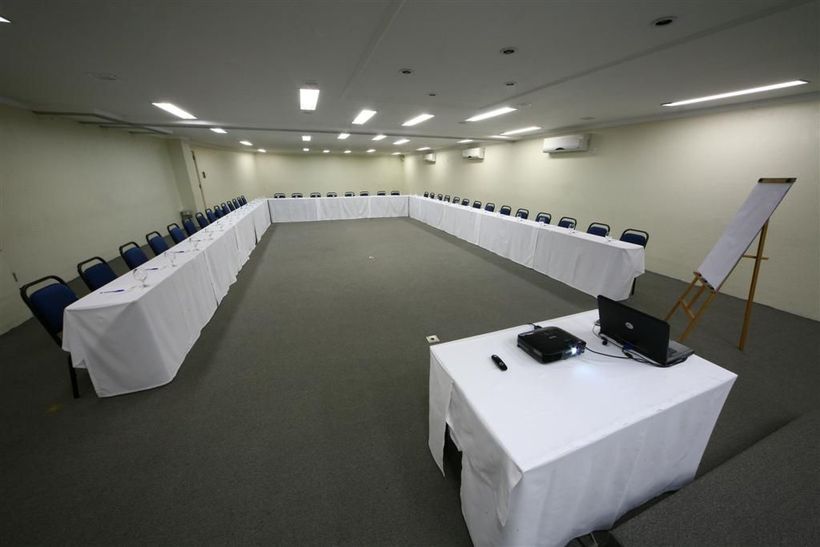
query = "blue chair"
x=279 y=195
x=523 y=213
x=47 y=304
x=225 y=210
x=133 y=255
x=633 y=235
x=447 y=198
x=543 y=217
x=210 y=214
x=465 y=201
x=598 y=229
x=243 y=200
x=297 y=195
x=236 y=204
x=315 y=194
x=332 y=194
x=364 y=193
x=426 y=194
x=395 y=193
x=188 y=224
x=456 y=200
x=96 y=276
x=156 y=242
x=384 y=193
x=567 y=222
x=490 y=206
x=230 y=205
x=476 y=204
x=176 y=233
x=349 y=194
x=505 y=210
x=201 y=220
x=218 y=212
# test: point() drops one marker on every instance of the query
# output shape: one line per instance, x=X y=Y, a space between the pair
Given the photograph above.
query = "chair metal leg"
x=73 y=375
x=633 y=286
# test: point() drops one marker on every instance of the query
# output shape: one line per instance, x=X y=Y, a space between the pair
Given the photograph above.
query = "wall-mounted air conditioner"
x=430 y=158
x=566 y=143
x=473 y=154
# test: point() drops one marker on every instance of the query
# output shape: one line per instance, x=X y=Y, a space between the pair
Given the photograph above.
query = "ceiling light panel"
x=491 y=114
x=402 y=141
x=529 y=129
x=379 y=137
x=371 y=150
x=423 y=148
x=363 y=117
x=464 y=141
x=246 y=143
x=218 y=130
x=772 y=87
x=4 y=20
x=306 y=138
x=308 y=98
x=343 y=136
x=417 y=120
x=175 y=110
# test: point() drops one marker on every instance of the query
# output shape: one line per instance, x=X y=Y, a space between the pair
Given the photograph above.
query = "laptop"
x=639 y=333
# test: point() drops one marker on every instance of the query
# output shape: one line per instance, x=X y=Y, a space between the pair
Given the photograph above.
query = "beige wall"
x=681 y=180
x=228 y=173
x=69 y=192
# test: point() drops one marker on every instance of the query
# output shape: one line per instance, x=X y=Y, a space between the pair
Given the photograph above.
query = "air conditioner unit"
x=473 y=154
x=430 y=158
x=566 y=143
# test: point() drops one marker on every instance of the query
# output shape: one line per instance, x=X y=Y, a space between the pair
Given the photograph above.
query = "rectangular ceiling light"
x=4 y=20
x=218 y=130
x=343 y=136
x=246 y=143
x=306 y=138
x=464 y=141
x=402 y=141
x=371 y=150
x=305 y=149
x=418 y=119
x=379 y=137
x=261 y=150
x=347 y=151
x=308 y=98
x=491 y=114
x=175 y=110
x=498 y=137
x=363 y=116
x=396 y=154
x=738 y=93
x=423 y=148
x=325 y=151
x=529 y=129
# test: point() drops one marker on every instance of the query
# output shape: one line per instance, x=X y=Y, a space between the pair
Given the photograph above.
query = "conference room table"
x=554 y=451
x=338 y=208
x=131 y=336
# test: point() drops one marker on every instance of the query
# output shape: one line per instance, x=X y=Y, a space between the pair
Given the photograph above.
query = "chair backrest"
x=523 y=213
x=201 y=220
x=447 y=198
x=176 y=232
x=598 y=229
x=567 y=222
x=296 y=195
x=331 y=194
x=456 y=200
x=48 y=303
x=440 y=197
x=490 y=206
x=218 y=211
x=236 y=203
x=243 y=200
x=395 y=193
x=230 y=206
x=381 y=192
x=505 y=210
x=427 y=194
x=349 y=194
x=96 y=276
x=315 y=194
x=476 y=204
x=278 y=195
x=543 y=217
x=133 y=255
x=156 y=242
x=188 y=224
x=210 y=214
x=364 y=193
x=633 y=235
x=465 y=201
x=225 y=210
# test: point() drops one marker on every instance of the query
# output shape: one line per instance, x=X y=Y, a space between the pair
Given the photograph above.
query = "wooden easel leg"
x=696 y=317
x=681 y=299
x=747 y=316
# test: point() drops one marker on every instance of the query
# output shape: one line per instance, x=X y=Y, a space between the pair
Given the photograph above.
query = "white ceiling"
x=239 y=64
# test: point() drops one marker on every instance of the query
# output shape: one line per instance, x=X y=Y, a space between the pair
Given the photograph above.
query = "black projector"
x=548 y=344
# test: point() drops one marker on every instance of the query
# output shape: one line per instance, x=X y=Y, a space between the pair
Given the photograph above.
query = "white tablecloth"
x=138 y=338
x=551 y=452
x=339 y=208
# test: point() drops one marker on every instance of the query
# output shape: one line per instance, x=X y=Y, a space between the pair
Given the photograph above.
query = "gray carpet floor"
x=300 y=416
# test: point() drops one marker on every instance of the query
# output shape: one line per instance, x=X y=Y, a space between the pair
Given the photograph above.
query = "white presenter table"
x=551 y=452
x=132 y=338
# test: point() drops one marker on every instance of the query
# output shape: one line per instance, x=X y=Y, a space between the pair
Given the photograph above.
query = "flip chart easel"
x=752 y=220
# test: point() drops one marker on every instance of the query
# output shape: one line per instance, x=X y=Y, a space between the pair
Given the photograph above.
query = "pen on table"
x=498 y=362
x=115 y=290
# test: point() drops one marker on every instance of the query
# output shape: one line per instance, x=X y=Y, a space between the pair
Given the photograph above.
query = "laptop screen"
x=634 y=329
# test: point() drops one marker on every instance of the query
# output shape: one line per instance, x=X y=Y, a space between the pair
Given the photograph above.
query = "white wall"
x=70 y=192
x=228 y=174
x=682 y=180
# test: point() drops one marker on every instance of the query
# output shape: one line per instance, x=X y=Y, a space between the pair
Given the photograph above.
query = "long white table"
x=348 y=208
x=551 y=452
x=131 y=337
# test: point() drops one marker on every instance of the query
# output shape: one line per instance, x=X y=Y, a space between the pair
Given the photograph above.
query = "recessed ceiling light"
x=261 y=150
x=396 y=154
x=343 y=136
x=491 y=114
x=305 y=149
x=498 y=137
x=463 y=141
x=362 y=117
x=761 y=89
x=306 y=138
x=175 y=110
x=522 y=130
x=423 y=148
x=664 y=21
x=509 y=84
x=507 y=50
x=325 y=151
x=371 y=150
x=4 y=20
x=418 y=119
x=308 y=98
x=246 y=143
x=218 y=130
x=406 y=71
x=379 y=137
x=432 y=94
x=347 y=151
x=402 y=141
